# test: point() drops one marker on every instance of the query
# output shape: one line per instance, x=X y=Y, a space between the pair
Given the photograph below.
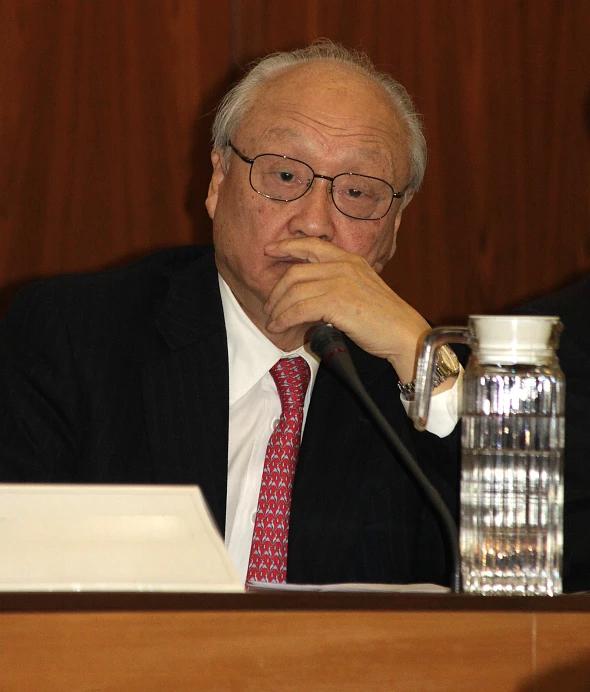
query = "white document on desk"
x=110 y=538
x=260 y=587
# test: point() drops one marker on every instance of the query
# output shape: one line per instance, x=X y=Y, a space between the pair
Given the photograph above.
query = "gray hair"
x=240 y=98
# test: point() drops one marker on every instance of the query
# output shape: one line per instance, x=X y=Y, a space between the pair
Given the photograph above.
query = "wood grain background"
x=105 y=108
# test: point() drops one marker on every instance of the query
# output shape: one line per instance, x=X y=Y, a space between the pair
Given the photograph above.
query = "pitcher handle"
x=433 y=340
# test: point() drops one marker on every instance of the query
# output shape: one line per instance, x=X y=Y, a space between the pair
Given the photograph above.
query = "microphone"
x=327 y=342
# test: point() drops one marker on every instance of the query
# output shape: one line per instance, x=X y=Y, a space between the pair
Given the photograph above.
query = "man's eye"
x=286 y=177
x=356 y=193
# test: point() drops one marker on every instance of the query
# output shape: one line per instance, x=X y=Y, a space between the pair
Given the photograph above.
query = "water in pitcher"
x=512 y=482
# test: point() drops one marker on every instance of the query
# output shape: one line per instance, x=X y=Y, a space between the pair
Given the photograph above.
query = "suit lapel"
x=185 y=386
x=331 y=473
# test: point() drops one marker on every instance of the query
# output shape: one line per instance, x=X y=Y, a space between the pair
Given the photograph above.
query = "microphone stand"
x=327 y=342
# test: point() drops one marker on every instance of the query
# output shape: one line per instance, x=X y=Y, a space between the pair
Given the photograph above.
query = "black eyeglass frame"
x=245 y=159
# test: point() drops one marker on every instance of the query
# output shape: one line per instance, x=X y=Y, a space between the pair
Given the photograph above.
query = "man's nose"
x=315 y=212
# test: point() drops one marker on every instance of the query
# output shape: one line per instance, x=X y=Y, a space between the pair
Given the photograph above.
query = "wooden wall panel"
x=105 y=109
x=100 y=105
x=264 y=26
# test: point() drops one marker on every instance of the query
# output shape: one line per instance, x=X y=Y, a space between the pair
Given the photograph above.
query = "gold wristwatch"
x=447 y=365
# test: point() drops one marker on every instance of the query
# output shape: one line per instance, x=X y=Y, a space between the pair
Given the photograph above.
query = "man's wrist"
x=447 y=366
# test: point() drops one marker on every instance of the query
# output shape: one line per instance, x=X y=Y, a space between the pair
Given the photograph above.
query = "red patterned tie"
x=268 y=554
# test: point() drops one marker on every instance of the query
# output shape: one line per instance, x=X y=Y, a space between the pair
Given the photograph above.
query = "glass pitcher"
x=512 y=439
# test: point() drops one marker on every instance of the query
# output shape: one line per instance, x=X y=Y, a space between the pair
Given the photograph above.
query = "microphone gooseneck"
x=327 y=342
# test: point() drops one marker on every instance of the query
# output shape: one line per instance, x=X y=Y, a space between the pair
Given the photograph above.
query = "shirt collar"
x=250 y=354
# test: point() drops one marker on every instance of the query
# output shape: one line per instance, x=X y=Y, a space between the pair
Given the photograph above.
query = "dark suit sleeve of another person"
x=572 y=305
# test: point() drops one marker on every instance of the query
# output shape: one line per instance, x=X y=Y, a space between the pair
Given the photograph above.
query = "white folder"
x=110 y=538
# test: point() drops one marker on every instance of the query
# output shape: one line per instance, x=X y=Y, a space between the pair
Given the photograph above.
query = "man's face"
x=335 y=121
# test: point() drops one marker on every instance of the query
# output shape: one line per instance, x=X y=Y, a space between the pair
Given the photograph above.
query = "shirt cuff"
x=444 y=409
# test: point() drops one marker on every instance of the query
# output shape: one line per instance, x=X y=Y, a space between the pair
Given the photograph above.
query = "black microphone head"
x=325 y=339
x=328 y=343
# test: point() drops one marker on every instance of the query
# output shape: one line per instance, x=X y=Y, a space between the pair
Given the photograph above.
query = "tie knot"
x=291 y=376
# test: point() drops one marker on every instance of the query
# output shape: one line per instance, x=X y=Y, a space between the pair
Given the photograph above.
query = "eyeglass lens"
x=286 y=179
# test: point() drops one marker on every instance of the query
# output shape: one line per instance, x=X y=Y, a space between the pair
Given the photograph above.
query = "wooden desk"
x=311 y=641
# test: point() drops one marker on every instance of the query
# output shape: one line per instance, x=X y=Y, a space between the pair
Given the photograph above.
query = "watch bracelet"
x=408 y=390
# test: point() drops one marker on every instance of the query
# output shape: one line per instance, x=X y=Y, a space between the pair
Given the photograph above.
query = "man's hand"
x=331 y=285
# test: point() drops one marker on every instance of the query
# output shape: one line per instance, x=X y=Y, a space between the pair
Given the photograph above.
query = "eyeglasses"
x=284 y=179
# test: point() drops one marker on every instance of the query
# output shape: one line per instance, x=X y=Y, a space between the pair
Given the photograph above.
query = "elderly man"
x=191 y=366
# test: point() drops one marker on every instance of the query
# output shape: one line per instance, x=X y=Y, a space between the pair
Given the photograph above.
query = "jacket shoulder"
x=143 y=278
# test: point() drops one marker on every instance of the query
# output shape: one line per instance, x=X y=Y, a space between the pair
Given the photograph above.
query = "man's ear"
x=408 y=196
x=397 y=221
x=216 y=179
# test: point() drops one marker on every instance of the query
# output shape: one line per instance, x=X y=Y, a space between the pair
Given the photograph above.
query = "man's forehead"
x=284 y=135
x=337 y=97
x=368 y=135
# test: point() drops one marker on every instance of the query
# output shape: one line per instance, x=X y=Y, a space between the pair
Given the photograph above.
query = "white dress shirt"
x=254 y=411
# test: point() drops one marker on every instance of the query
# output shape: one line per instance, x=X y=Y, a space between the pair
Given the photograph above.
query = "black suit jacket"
x=122 y=377
x=572 y=305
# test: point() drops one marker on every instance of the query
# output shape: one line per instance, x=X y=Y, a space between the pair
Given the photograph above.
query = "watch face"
x=447 y=360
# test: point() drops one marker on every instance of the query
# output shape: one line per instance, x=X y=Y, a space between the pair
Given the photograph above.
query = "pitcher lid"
x=511 y=339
